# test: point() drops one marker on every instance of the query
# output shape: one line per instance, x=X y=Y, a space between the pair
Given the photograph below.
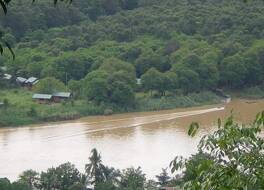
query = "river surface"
x=149 y=139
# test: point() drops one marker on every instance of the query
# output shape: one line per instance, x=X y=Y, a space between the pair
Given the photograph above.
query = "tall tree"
x=49 y=85
x=95 y=168
x=96 y=87
x=233 y=71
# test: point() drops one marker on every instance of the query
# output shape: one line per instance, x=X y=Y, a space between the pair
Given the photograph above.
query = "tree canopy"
x=192 y=45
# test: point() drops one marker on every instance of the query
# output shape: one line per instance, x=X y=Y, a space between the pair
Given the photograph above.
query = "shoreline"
x=18 y=114
x=41 y=124
x=21 y=110
x=177 y=113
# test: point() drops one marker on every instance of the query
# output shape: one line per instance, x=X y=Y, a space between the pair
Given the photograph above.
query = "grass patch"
x=22 y=110
x=171 y=102
x=256 y=92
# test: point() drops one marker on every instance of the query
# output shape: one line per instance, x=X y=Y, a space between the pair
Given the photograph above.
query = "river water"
x=149 y=139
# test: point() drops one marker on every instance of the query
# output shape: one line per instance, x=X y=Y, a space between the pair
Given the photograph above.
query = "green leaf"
x=1 y=49
x=10 y=49
x=229 y=121
x=3 y=5
x=219 y=123
x=193 y=129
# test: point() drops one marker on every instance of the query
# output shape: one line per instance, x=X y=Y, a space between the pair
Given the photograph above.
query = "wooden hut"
x=42 y=98
x=21 y=81
x=30 y=82
x=60 y=96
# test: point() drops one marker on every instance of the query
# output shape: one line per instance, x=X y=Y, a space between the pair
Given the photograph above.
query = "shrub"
x=32 y=112
x=108 y=111
x=6 y=103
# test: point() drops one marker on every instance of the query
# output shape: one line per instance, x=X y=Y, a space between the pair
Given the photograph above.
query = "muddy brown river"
x=149 y=139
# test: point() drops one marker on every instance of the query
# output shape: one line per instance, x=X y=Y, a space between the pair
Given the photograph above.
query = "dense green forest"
x=98 y=48
x=230 y=158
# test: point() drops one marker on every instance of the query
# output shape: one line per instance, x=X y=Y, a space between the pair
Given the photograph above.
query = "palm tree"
x=95 y=169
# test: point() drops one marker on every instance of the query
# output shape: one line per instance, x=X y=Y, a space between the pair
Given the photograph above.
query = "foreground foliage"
x=230 y=158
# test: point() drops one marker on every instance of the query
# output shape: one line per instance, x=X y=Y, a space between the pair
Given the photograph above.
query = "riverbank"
x=21 y=110
x=256 y=92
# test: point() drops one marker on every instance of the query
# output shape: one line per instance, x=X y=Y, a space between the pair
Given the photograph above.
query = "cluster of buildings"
x=27 y=82
x=41 y=98
x=24 y=82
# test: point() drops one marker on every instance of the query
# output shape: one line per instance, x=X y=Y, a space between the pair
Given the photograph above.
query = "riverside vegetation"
x=21 y=110
x=230 y=158
x=181 y=50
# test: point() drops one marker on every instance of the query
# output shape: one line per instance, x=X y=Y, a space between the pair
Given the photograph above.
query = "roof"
x=62 y=94
x=3 y=68
x=7 y=76
x=20 y=79
x=42 y=96
x=168 y=188
x=35 y=82
x=138 y=81
x=31 y=80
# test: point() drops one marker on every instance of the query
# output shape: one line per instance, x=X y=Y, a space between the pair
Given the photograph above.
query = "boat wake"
x=132 y=122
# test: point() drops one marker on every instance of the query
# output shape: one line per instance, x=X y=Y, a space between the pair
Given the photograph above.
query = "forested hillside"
x=212 y=43
x=99 y=47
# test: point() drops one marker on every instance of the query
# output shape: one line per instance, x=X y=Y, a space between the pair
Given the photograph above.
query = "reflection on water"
x=150 y=140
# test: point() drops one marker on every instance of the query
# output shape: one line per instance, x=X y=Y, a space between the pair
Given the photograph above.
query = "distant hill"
x=217 y=43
